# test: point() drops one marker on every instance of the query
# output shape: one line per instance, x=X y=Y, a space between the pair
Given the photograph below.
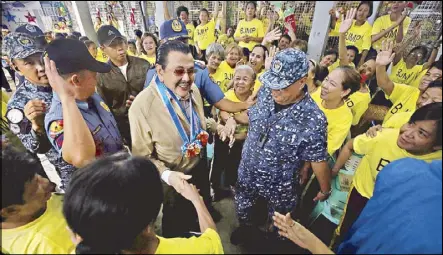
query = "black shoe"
x=246 y=235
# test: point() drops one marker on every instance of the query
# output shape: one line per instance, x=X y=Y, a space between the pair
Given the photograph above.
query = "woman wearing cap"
x=149 y=45
x=227 y=154
x=204 y=34
x=249 y=31
x=120 y=221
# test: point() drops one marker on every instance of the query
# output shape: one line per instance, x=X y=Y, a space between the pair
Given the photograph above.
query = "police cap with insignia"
x=287 y=67
x=19 y=46
x=173 y=29
x=29 y=29
x=107 y=33
x=72 y=55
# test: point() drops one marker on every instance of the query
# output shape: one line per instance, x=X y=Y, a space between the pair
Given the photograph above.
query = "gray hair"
x=215 y=48
x=247 y=68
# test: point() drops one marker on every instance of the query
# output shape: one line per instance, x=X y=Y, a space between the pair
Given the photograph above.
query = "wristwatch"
x=326 y=193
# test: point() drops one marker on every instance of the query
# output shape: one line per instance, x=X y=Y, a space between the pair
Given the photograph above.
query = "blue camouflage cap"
x=19 y=45
x=29 y=29
x=173 y=29
x=288 y=66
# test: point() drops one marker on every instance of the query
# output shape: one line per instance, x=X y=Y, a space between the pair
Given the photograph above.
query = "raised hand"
x=272 y=35
x=59 y=85
x=270 y=56
x=385 y=55
x=347 y=22
x=288 y=26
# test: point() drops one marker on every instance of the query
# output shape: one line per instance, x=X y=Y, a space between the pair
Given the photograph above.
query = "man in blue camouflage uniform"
x=286 y=128
x=80 y=126
x=30 y=102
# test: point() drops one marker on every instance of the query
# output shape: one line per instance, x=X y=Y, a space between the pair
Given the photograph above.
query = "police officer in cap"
x=80 y=126
x=31 y=101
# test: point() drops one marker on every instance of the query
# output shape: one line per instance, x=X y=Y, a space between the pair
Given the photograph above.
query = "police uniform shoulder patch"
x=56 y=129
x=176 y=26
x=15 y=116
x=277 y=66
x=105 y=106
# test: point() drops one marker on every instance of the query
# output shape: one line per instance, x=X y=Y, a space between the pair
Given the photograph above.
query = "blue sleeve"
x=209 y=90
x=149 y=75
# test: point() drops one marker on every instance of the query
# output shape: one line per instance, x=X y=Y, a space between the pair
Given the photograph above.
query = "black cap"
x=72 y=56
x=107 y=33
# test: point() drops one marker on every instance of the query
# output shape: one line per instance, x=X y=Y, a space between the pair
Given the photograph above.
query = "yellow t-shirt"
x=224 y=40
x=257 y=84
x=5 y=99
x=378 y=152
x=208 y=243
x=416 y=82
x=339 y=123
x=129 y=54
x=337 y=64
x=101 y=56
x=230 y=95
x=384 y=22
x=205 y=35
x=265 y=22
x=401 y=74
x=151 y=60
x=190 y=27
x=404 y=99
x=227 y=75
x=252 y=28
x=45 y=235
x=359 y=36
x=398 y=120
x=358 y=103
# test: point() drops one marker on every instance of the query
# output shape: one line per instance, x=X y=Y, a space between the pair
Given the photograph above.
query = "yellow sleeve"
x=260 y=29
x=406 y=24
x=364 y=144
x=359 y=109
x=376 y=27
x=398 y=120
x=237 y=31
x=400 y=91
x=338 y=135
x=367 y=40
x=208 y=243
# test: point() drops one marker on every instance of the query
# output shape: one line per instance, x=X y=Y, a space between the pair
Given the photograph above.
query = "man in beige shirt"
x=168 y=126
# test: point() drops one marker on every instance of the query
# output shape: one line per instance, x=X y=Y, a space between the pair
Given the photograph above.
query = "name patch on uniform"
x=97 y=129
x=105 y=106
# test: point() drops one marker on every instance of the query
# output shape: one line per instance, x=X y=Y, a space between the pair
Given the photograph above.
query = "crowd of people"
x=128 y=126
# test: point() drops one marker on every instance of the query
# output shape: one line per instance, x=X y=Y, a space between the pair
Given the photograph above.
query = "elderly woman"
x=227 y=154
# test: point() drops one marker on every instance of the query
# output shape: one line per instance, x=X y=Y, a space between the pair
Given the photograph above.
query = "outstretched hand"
x=348 y=20
x=270 y=56
x=385 y=56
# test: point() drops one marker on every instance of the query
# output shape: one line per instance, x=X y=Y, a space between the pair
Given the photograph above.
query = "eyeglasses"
x=180 y=71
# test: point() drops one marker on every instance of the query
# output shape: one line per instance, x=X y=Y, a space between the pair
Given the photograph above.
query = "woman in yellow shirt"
x=119 y=220
x=228 y=38
x=250 y=31
x=149 y=48
x=257 y=60
x=329 y=58
x=233 y=54
x=98 y=23
x=204 y=34
x=406 y=69
x=227 y=153
x=132 y=48
x=421 y=138
x=359 y=32
x=336 y=88
x=215 y=54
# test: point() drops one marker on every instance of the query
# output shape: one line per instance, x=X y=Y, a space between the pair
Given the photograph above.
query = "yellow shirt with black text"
x=231 y=96
x=401 y=74
x=48 y=234
x=224 y=40
x=358 y=103
x=208 y=243
x=205 y=35
x=101 y=56
x=358 y=36
x=398 y=120
x=378 y=152
x=339 y=123
x=253 y=28
x=190 y=28
x=384 y=22
x=416 y=82
x=404 y=99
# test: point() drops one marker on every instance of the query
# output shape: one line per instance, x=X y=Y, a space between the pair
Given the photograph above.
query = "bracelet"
x=327 y=193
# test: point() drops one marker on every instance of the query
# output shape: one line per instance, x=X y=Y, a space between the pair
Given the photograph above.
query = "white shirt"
x=123 y=70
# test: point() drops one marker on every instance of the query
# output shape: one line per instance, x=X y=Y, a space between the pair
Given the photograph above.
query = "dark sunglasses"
x=180 y=71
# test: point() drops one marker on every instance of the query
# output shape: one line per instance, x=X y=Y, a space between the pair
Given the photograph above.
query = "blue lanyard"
x=195 y=125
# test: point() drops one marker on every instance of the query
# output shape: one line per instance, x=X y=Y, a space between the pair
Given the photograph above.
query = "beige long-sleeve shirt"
x=154 y=134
